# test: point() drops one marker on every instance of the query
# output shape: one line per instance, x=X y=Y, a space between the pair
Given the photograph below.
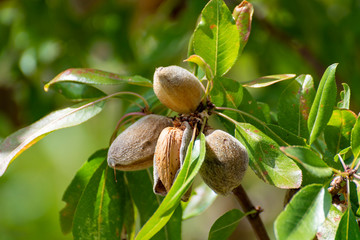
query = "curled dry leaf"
x=169 y=156
x=178 y=89
x=134 y=148
x=225 y=163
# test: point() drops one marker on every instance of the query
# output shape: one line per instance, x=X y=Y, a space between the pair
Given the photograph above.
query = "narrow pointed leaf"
x=294 y=105
x=306 y=212
x=19 y=141
x=355 y=138
x=96 y=77
x=100 y=211
x=202 y=64
x=345 y=97
x=266 y=159
x=225 y=225
x=77 y=91
x=216 y=38
x=201 y=200
x=314 y=169
x=268 y=80
x=193 y=160
x=328 y=229
x=323 y=105
x=243 y=17
x=75 y=189
x=338 y=130
x=348 y=228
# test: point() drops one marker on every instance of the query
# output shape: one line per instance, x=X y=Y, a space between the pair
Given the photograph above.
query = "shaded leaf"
x=267 y=80
x=96 y=77
x=227 y=93
x=348 y=228
x=225 y=225
x=314 y=169
x=100 y=212
x=77 y=91
x=216 y=38
x=323 y=105
x=285 y=135
x=243 y=17
x=294 y=105
x=328 y=229
x=200 y=200
x=22 y=139
x=75 y=189
x=303 y=215
x=338 y=130
x=345 y=97
x=355 y=138
x=129 y=216
x=193 y=160
x=266 y=159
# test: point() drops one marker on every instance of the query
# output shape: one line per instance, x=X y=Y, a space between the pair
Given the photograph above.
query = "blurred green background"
x=41 y=38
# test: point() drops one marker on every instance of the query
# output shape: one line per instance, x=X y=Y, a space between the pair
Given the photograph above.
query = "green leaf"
x=96 y=77
x=100 y=211
x=75 y=189
x=243 y=17
x=216 y=38
x=345 y=97
x=202 y=64
x=77 y=91
x=314 y=169
x=193 y=160
x=129 y=216
x=323 y=105
x=225 y=225
x=266 y=159
x=306 y=212
x=267 y=80
x=285 y=135
x=202 y=198
x=355 y=138
x=338 y=130
x=328 y=229
x=22 y=139
x=227 y=93
x=294 y=105
x=348 y=228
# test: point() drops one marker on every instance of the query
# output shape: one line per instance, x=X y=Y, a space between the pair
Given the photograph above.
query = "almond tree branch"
x=254 y=219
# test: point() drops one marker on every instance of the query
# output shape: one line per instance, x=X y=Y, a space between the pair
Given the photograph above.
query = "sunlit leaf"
x=328 y=229
x=202 y=64
x=77 y=91
x=355 y=138
x=96 y=77
x=216 y=38
x=202 y=198
x=284 y=134
x=338 y=130
x=193 y=160
x=19 y=141
x=323 y=105
x=100 y=211
x=75 y=189
x=266 y=159
x=294 y=105
x=303 y=215
x=314 y=169
x=268 y=80
x=348 y=227
x=225 y=225
x=345 y=97
x=243 y=17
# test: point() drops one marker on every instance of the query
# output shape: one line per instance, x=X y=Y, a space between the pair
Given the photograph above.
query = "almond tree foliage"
x=310 y=145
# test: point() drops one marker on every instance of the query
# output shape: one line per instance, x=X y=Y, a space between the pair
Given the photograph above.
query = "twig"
x=254 y=219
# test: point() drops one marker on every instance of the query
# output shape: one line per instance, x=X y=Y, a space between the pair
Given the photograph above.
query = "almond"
x=177 y=89
x=134 y=148
x=225 y=163
x=169 y=156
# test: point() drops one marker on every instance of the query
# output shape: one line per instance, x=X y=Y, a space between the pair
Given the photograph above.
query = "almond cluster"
x=160 y=142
